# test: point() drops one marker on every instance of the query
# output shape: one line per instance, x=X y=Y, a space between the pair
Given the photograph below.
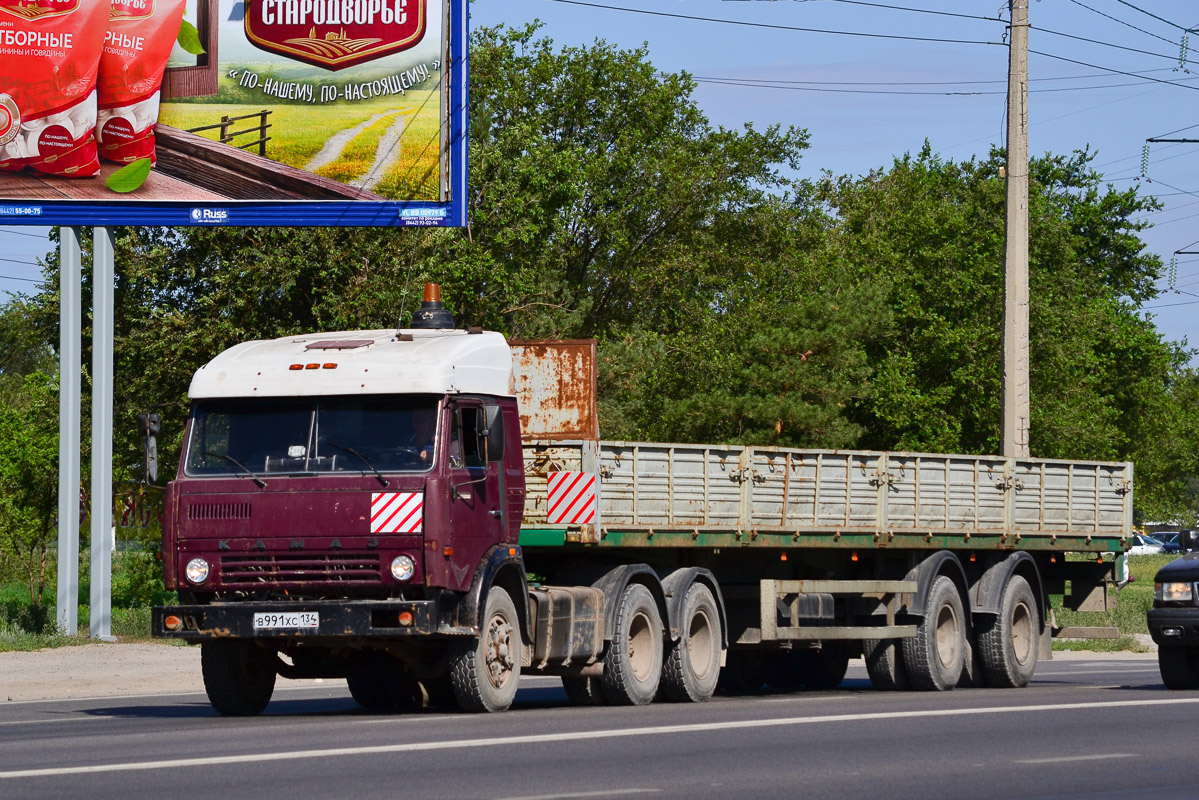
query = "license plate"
x=272 y=620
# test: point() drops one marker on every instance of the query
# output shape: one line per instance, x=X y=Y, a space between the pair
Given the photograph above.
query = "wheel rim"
x=1023 y=638
x=699 y=645
x=498 y=650
x=948 y=636
x=641 y=647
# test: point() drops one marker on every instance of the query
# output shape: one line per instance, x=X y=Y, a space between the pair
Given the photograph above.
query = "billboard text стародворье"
x=301 y=112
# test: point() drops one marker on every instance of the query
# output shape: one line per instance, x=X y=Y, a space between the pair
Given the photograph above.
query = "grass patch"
x=1129 y=616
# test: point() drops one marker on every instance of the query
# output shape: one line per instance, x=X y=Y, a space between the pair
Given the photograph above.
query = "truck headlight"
x=1173 y=592
x=403 y=568
x=197 y=570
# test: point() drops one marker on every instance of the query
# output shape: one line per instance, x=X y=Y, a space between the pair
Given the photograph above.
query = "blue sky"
x=865 y=98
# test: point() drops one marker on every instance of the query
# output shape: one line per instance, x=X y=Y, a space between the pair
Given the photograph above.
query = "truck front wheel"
x=239 y=676
x=485 y=671
x=633 y=662
x=1179 y=665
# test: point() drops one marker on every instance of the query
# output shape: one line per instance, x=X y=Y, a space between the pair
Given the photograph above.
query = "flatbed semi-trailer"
x=429 y=513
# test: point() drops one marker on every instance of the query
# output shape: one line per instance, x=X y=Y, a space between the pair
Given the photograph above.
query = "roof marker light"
x=329 y=366
x=312 y=366
x=296 y=366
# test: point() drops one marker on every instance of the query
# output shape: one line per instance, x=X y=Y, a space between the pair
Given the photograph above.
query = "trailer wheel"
x=823 y=669
x=693 y=662
x=583 y=691
x=1179 y=666
x=377 y=682
x=884 y=664
x=633 y=661
x=485 y=671
x=239 y=676
x=934 y=657
x=1008 y=642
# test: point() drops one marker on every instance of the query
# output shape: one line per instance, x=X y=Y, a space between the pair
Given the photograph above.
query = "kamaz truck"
x=429 y=513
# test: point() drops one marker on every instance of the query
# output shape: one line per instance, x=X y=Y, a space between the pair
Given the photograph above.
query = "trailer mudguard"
x=503 y=565
x=942 y=562
x=987 y=592
x=675 y=586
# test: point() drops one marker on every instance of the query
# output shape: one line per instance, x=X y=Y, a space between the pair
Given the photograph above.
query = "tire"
x=239 y=676
x=377 y=682
x=633 y=660
x=884 y=664
x=692 y=667
x=485 y=671
x=1008 y=643
x=935 y=656
x=583 y=691
x=1179 y=666
x=823 y=669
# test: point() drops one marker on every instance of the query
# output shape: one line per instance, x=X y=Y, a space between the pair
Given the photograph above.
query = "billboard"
x=297 y=112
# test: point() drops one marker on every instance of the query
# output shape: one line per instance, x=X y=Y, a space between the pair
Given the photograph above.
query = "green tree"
x=29 y=480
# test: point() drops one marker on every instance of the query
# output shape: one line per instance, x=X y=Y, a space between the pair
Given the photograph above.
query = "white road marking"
x=51 y=721
x=575 y=736
x=575 y=795
x=1067 y=759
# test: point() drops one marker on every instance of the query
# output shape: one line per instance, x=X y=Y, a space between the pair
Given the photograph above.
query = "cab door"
x=475 y=516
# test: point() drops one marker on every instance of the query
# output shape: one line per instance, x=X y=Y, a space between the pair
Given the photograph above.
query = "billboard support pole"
x=103 y=277
x=70 y=289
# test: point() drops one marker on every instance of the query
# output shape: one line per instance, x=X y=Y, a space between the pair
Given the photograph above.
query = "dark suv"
x=1174 y=618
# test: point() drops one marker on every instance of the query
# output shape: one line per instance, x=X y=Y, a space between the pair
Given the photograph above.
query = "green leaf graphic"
x=189 y=39
x=129 y=177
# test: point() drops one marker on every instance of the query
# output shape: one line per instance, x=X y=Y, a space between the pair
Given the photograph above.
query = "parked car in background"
x=1143 y=545
x=1169 y=540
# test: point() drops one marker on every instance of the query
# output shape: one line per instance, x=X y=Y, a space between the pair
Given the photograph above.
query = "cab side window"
x=464 y=438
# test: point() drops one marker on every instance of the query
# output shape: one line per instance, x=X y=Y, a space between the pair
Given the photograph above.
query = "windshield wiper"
x=261 y=483
x=363 y=459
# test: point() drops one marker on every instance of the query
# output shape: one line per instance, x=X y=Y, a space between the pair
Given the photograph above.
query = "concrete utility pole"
x=1015 y=265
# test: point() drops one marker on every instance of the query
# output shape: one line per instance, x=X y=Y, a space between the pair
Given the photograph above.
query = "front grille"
x=261 y=571
x=220 y=511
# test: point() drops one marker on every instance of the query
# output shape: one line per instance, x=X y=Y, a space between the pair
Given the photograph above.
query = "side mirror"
x=149 y=426
x=491 y=433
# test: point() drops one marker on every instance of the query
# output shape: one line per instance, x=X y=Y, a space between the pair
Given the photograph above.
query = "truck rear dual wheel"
x=935 y=656
x=587 y=691
x=485 y=671
x=1008 y=642
x=884 y=664
x=693 y=662
x=633 y=660
x=1179 y=666
x=239 y=676
x=823 y=669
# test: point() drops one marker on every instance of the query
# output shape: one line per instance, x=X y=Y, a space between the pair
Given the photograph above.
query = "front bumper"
x=338 y=620
x=1170 y=626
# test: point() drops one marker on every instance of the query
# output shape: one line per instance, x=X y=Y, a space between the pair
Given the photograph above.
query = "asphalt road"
x=1097 y=728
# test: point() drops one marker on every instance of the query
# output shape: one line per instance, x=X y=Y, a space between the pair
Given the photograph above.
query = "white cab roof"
x=366 y=362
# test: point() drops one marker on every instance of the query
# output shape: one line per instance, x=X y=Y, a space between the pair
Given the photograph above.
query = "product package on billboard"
x=140 y=36
x=49 y=54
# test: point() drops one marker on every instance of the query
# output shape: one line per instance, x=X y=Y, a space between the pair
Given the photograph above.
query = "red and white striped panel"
x=397 y=512
x=572 y=498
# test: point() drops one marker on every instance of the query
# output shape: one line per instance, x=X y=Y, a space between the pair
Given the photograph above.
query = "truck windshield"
x=312 y=434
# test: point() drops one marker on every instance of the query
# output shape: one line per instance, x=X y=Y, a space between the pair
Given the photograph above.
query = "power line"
x=1155 y=16
x=24 y=233
x=918 y=10
x=800 y=86
x=1092 y=66
x=15 y=261
x=946 y=83
x=1105 y=44
x=15 y=278
x=770 y=26
x=1122 y=22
